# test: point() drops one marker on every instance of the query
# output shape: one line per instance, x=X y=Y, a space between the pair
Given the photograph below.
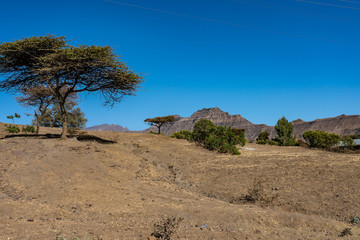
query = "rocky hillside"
x=342 y=125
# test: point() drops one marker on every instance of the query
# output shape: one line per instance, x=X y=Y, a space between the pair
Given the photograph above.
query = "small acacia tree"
x=40 y=97
x=50 y=61
x=12 y=117
x=160 y=121
x=284 y=130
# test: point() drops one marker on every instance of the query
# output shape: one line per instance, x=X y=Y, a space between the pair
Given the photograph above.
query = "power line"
x=349 y=1
x=233 y=24
x=327 y=4
x=296 y=11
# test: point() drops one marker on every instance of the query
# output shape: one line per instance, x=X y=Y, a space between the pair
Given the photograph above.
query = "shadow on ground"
x=83 y=138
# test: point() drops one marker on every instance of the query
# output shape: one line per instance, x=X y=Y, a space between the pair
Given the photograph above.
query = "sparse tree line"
x=50 y=73
x=313 y=139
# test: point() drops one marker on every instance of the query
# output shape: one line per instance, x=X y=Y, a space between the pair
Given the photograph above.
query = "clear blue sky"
x=263 y=59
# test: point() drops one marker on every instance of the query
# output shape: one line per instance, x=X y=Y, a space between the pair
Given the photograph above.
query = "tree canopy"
x=160 y=121
x=40 y=97
x=284 y=130
x=50 y=61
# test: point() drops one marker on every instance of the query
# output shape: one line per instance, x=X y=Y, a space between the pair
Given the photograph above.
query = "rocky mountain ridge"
x=341 y=125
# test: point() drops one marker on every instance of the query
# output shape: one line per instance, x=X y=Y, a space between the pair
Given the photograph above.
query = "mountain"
x=107 y=127
x=218 y=117
x=342 y=125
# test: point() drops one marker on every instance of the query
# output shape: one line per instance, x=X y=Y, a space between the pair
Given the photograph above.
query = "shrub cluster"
x=285 y=137
x=320 y=139
x=12 y=128
x=28 y=129
x=221 y=139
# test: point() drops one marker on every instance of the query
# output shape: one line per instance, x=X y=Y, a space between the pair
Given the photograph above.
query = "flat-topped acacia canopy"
x=160 y=121
x=50 y=61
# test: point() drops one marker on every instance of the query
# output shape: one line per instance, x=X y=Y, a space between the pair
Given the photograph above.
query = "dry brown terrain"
x=54 y=189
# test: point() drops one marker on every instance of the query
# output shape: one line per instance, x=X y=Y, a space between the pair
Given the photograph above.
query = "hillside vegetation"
x=56 y=189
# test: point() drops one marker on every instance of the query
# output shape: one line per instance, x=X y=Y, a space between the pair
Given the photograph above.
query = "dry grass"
x=51 y=188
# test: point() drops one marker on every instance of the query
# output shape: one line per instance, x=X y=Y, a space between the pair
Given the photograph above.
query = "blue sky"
x=263 y=59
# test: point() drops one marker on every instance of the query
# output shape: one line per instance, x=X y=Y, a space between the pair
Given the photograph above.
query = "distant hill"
x=107 y=127
x=342 y=125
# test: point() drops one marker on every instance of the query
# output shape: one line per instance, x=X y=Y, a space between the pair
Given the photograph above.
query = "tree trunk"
x=38 y=122
x=159 y=126
x=64 y=128
x=64 y=120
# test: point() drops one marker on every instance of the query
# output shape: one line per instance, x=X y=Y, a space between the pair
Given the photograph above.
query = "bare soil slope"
x=54 y=189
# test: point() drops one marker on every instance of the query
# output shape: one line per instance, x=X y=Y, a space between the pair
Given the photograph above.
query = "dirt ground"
x=56 y=189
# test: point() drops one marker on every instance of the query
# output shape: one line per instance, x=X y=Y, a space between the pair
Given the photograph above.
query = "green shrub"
x=215 y=138
x=348 y=141
x=320 y=139
x=239 y=136
x=183 y=134
x=273 y=142
x=202 y=129
x=263 y=138
x=222 y=140
x=12 y=129
x=28 y=129
x=263 y=142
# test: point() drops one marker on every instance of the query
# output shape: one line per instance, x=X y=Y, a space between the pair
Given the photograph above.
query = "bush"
x=166 y=228
x=183 y=134
x=273 y=142
x=221 y=139
x=28 y=129
x=348 y=141
x=263 y=138
x=12 y=129
x=239 y=136
x=202 y=129
x=320 y=139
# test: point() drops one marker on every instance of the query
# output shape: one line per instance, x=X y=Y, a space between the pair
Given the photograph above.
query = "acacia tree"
x=12 y=117
x=40 y=97
x=160 y=121
x=52 y=62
